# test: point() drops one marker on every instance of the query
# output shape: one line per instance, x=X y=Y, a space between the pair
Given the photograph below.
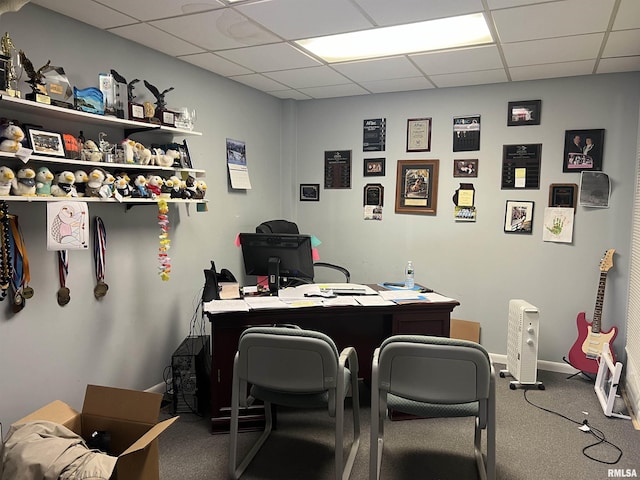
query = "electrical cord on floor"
x=598 y=434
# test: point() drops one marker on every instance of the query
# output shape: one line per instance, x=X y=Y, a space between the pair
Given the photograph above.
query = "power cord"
x=586 y=427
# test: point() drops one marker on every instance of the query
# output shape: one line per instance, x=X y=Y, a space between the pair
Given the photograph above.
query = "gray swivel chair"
x=285 y=226
x=294 y=368
x=433 y=377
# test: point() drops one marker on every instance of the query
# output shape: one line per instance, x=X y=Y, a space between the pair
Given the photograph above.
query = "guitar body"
x=588 y=346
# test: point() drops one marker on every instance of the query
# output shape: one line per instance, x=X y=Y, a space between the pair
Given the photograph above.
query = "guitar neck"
x=597 y=313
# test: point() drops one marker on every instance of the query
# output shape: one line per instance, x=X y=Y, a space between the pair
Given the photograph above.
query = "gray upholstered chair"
x=433 y=377
x=294 y=368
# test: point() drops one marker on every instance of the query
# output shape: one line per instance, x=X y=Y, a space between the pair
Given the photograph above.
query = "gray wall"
x=126 y=340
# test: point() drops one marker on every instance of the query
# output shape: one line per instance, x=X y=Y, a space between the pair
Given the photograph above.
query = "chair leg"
x=477 y=448
x=351 y=458
x=236 y=471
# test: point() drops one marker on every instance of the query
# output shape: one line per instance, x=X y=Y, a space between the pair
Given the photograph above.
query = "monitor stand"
x=274 y=274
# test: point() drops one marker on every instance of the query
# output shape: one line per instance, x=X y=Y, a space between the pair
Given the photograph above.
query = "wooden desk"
x=361 y=327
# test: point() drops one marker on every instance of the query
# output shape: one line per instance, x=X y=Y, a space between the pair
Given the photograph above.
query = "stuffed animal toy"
x=6 y=179
x=142 y=154
x=140 y=187
x=24 y=183
x=185 y=192
x=154 y=184
x=44 y=178
x=63 y=185
x=161 y=159
x=175 y=157
x=129 y=152
x=176 y=190
x=201 y=189
x=166 y=188
x=11 y=137
x=91 y=152
x=123 y=187
x=191 y=186
x=108 y=186
x=96 y=177
x=80 y=183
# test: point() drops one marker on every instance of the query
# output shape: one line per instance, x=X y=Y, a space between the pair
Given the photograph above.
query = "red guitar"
x=588 y=347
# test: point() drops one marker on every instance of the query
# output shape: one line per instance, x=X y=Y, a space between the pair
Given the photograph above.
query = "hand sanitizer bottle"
x=409 y=281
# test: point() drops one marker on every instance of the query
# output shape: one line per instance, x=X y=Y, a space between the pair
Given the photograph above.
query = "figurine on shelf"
x=201 y=189
x=63 y=185
x=44 y=179
x=8 y=50
x=24 y=183
x=91 y=152
x=6 y=179
x=141 y=154
x=11 y=138
x=38 y=90
x=161 y=104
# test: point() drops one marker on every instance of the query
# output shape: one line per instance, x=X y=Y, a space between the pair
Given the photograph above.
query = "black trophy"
x=136 y=110
x=36 y=77
x=166 y=117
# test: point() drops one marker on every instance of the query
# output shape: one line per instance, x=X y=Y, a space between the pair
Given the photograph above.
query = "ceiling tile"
x=622 y=44
x=214 y=63
x=550 y=19
x=469 y=78
x=297 y=19
x=623 y=64
x=495 y=4
x=346 y=90
x=552 y=70
x=454 y=61
x=91 y=13
x=260 y=82
x=381 y=69
x=385 y=12
x=156 y=39
x=628 y=15
x=308 y=77
x=567 y=49
x=154 y=9
x=218 y=29
x=269 y=58
x=398 y=85
x=290 y=94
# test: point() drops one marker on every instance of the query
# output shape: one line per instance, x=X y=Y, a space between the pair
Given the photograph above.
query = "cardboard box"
x=464 y=330
x=130 y=416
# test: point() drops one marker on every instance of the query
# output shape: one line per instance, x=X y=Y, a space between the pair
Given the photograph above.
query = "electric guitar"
x=588 y=347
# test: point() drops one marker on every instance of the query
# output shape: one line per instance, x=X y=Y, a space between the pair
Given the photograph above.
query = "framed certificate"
x=419 y=135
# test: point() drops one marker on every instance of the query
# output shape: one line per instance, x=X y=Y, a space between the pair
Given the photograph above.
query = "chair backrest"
x=434 y=369
x=277 y=226
x=287 y=359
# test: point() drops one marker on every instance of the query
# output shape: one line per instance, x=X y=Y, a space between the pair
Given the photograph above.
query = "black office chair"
x=285 y=226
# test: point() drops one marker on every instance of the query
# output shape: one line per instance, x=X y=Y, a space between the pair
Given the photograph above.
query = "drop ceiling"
x=251 y=41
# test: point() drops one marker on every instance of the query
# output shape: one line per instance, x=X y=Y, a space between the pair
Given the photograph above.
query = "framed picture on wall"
x=374 y=167
x=524 y=112
x=417 y=186
x=419 y=135
x=583 y=150
x=518 y=217
x=563 y=195
x=465 y=168
x=309 y=192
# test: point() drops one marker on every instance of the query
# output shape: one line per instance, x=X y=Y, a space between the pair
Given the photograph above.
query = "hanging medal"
x=6 y=265
x=21 y=259
x=64 y=294
x=99 y=256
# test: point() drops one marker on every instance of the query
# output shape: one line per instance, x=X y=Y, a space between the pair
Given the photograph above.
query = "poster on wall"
x=374 y=135
x=67 y=226
x=466 y=133
x=337 y=169
x=558 y=225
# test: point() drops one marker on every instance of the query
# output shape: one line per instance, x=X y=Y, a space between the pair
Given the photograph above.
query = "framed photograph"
x=466 y=133
x=419 y=135
x=563 y=195
x=417 y=186
x=583 y=150
x=309 y=192
x=373 y=194
x=518 y=217
x=373 y=167
x=185 y=157
x=45 y=143
x=525 y=112
x=337 y=169
x=465 y=168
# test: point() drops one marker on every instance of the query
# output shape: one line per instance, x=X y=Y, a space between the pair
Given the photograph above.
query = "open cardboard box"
x=130 y=416
x=464 y=330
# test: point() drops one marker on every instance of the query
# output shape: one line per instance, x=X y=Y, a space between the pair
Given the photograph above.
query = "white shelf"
x=21 y=105
x=125 y=201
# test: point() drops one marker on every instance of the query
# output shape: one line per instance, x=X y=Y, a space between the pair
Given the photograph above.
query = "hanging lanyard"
x=21 y=258
x=5 y=256
x=63 y=270
x=99 y=256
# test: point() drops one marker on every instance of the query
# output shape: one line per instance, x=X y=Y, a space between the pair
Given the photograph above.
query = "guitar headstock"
x=607 y=261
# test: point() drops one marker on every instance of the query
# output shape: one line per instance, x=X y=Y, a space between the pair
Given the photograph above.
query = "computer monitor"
x=277 y=255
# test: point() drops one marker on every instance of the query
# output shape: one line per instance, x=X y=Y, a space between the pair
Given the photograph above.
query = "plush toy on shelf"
x=201 y=189
x=176 y=184
x=6 y=179
x=154 y=184
x=166 y=188
x=108 y=186
x=140 y=188
x=80 y=182
x=123 y=187
x=161 y=158
x=96 y=178
x=63 y=185
x=142 y=154
x=10 y=137
x=24 y=183
x=129 y=152
x=91 y=152
x=44 y=179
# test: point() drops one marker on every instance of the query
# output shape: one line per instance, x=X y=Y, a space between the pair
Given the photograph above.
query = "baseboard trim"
x=542 y=364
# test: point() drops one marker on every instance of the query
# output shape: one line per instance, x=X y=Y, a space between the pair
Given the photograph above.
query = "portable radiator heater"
x=190 y=368
x=522 y=345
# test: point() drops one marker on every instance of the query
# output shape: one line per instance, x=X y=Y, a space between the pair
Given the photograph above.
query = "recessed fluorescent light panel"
x=426 y=36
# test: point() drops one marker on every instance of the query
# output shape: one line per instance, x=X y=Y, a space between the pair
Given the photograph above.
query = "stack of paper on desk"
x=220 y=306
